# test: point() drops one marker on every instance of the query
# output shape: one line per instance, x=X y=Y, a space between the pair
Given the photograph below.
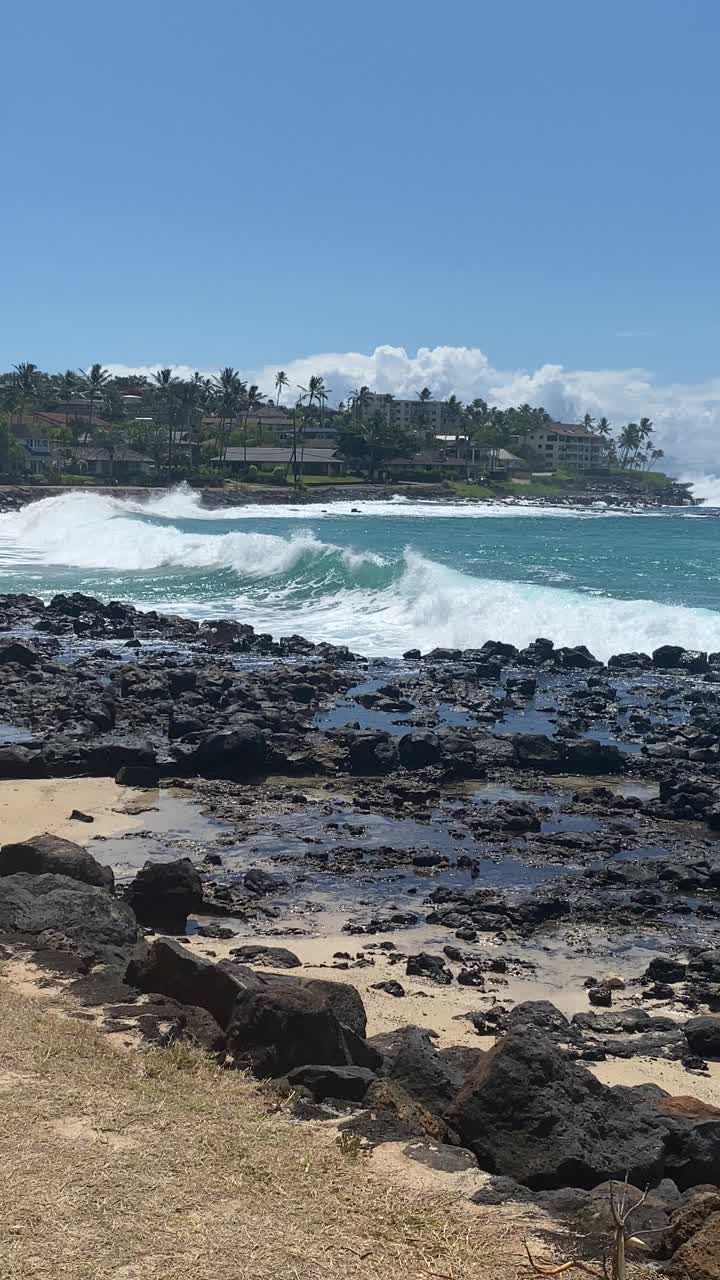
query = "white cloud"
x=686 y=415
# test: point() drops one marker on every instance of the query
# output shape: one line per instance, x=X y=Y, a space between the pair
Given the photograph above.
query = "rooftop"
x=278 y=456
x=567 y=429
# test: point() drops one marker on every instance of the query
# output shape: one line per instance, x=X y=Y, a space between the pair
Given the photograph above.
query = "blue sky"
x=252 y=184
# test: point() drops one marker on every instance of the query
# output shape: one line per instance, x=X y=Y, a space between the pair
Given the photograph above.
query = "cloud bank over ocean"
x=686 y=415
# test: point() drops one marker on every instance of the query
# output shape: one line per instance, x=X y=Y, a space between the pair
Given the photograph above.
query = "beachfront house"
x=315 y=461
x=34 y=440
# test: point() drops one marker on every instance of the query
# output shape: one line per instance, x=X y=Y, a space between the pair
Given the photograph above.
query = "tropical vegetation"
x=184 y=427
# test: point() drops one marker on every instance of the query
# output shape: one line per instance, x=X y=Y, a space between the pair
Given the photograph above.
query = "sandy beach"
x=31 y=806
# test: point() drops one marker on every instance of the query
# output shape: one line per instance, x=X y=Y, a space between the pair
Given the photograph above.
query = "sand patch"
x=33 y=806
x=670 y=1076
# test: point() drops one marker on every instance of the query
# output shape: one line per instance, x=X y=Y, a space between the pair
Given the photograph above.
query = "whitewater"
x=385 y=576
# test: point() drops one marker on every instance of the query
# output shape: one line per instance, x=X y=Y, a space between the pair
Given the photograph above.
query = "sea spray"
x=383 y=580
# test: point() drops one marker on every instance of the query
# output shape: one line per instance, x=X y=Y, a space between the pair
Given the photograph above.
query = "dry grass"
x=154 y=1165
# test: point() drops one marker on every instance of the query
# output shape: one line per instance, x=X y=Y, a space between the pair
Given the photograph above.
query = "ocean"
x=389 y=576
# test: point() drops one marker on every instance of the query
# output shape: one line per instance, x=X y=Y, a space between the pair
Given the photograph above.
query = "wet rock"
x=530 y=1114
x=88 y=916
x=263 y=882
x=271 y=957
x=45 y=854
x=164 y=894
x=671 y=657
x=19 y=654
x=630 y=662
x=578 y=658
x=418 y=750
x=537 y=751
x=590 y=757
x=372 y=753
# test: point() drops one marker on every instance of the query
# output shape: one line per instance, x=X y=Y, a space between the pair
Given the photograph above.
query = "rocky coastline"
x=469 y=827
x=618 y=492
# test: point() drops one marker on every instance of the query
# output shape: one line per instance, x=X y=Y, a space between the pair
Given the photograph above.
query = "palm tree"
x=66 y=386
x=359 y=400
x=588 y=422
x=26 y=385
x=164 y=382
x=322 y=397
x=230 y=390
x=453 y=417
x=314 y=390
x=281 y=381
x=253 y=399
x=628 y=442
x=94 y=380
x=603 y=428
x=423 y=396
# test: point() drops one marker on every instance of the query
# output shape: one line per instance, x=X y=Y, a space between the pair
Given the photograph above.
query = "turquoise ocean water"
x=392 y=575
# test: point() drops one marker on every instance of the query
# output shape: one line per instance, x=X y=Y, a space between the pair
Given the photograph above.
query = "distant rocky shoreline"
x=621 y=495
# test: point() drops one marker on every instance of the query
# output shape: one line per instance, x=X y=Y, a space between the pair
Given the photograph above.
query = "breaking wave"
x=162 y=554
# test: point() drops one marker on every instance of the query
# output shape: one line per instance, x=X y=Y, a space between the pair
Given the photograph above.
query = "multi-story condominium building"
x=415 y=414
x=562 y=445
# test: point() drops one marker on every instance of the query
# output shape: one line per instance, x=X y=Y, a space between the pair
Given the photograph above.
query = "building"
x=34 y=440
x=315 y=462
x=562 y=446
x=471 y=462
x=118 y=464
x=415 y=415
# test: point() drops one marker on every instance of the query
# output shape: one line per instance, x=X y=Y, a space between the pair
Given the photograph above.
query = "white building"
x=561 y=445
x=426 y=415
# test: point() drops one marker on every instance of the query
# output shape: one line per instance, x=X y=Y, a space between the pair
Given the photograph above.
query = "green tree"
x=66 y=385
x=628 y=442
x=253 y=398
x=229 y=393
x=94 y=380
x=359 y=400
x=281 y=382
x=25 y=376
x=370 y=441
x=164 y=386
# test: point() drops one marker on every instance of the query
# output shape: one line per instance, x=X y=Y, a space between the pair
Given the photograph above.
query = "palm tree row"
x=93 y=404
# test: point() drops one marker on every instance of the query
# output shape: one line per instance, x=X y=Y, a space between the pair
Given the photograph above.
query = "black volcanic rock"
x=45 y=854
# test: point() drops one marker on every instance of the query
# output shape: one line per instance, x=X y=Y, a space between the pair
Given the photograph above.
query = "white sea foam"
x=185 y=504
x=705 y=487
x=90 y=531
x=301 y=584
x=431 y=605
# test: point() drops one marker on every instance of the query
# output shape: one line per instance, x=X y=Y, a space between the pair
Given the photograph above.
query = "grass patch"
x=158 y=1165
